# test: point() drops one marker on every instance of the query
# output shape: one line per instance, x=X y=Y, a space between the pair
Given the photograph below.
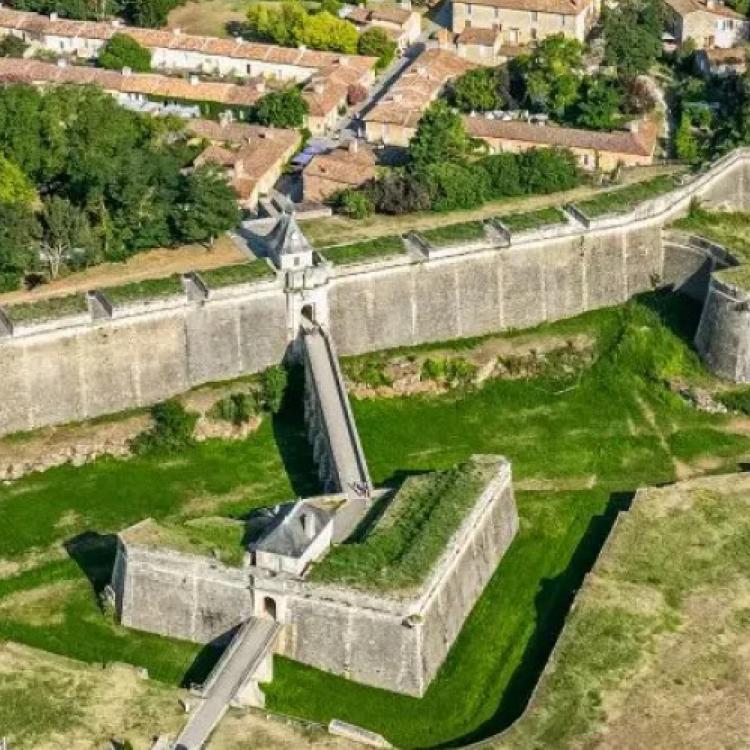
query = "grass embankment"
x=730 y=229
x=241 y=273
x=594 y=435
x=624 y=199
x=47 y=309
x=467 y=231
x=362 y=252
x=399 y=553
x=654 y=655
x=523 y=222
x=142 y=291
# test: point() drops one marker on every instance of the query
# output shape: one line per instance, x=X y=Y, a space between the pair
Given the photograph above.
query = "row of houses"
x=394 y=120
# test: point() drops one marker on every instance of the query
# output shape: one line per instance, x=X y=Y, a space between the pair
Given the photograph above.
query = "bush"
x=375 y=42
x=122 y=51
x=236 y=408
x=273 y=387
x=281 y=109
x=736 y=400
x=172 y=430
x=481 y=89
x=356 y=204
x=456 y=372
x=12 y=46
x=453 y=186
x=548 y=170
x=399 y=193
x=503 y=173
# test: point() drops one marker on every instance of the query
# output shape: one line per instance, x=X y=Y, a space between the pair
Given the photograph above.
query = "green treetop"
x=122 y=51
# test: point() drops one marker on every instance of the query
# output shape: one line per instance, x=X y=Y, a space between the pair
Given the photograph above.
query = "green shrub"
x=171 y=432
x=455 y=186
x=503 y=173
x=375 y=42
x=455 y=371
x=122 y=51
x=236 y=408
x=548 y=170
x=353 y=203
x=736 y=400
x=273 y=387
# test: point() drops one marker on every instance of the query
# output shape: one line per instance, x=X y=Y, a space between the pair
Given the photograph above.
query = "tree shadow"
x=290 y=434
x=94 y=554
x=552 y=602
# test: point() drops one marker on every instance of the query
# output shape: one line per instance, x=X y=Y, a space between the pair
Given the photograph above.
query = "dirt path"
x=148 y=265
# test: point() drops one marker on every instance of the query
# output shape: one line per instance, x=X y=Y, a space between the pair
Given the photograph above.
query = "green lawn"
x=533 y=219
x=47 y=309
x=239 y=273
x=626 y=199
x=362 y=252
x=138 y=291
x=450 y=234
x=607 y=430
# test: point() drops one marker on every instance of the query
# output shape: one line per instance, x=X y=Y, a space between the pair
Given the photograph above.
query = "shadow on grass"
x=553 y=603
x=678 y=312
x=290 y=434
x=94 y=554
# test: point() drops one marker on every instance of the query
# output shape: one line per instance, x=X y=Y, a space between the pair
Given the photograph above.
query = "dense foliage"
x=122 y=51
x=375 y=42
x=150 y=13
x=481 y=89
x=291 y=25
x=440 y=137
x=112 y=182
x=172 y=429
x=632 y=32
x=12 y=46
x=281 y=109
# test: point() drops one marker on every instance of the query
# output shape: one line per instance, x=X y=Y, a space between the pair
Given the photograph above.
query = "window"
x=533 y=34
x=468 y=9
x=562 y=21
x=534 y=16
x=497 y=12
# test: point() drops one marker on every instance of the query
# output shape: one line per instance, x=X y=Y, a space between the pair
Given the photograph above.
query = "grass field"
x=599 y=434
x=522 y=222
x=362 y=252
x=655 y=652
x=626 y=199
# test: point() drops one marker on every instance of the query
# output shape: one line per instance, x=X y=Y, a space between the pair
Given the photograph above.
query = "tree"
x=172 y=431
x=327 y=32
x=207 y=206
x=356 y=204
x=551 y=74
x=67 y=239
x=685 y=142
x=503 y=173
x=440 y=137
x=398 y=193
x=456 y=186
x=375 y=42
x=632 y=34
x=478 y=90
x=274 y=381
x=548 y=170
x=281 y=109
x=15 y=187
x=599 y=105
x=122 y=51
x=149 y=13
x=19 y=242
x=12 y=46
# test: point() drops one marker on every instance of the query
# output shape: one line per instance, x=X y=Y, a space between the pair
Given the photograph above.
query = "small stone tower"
x=287 y=247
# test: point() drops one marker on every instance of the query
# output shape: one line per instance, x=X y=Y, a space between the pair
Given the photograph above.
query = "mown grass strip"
x=240 y=273
x=46 y=309
x=450 y=234
x=362 y=252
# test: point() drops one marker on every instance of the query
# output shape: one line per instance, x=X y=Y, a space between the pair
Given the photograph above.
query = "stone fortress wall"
x=87 y=366
x=397 y=644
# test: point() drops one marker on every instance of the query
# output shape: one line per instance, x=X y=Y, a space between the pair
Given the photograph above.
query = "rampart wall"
x=84 y=367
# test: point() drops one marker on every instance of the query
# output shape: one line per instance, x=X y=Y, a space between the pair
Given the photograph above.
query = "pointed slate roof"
x=286 y=238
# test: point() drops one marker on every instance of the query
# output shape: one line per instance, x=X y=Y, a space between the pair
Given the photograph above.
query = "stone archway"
x=269 y=607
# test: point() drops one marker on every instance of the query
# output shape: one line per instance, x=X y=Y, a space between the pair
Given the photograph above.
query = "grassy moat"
x=581 y=440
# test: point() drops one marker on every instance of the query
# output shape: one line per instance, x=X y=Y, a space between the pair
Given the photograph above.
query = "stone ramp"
x=243 y=658
x=336 y=443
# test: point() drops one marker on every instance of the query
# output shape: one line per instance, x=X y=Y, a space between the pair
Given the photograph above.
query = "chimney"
x=260 y=87
x=53 y=16
x=126 y=71
x=177 y=31
x=308 y=525
x=353 y=146
x=319 y=86
x=62 y=62
x=116 y=23
x=405 y=4
x=239 y=169
x=302 y=47
x=194 y=79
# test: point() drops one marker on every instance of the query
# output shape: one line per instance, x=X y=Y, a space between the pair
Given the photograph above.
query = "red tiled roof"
x=684 y=7
x=483 y=37
x=558 y=7
x=639 y=143
x=344 y=166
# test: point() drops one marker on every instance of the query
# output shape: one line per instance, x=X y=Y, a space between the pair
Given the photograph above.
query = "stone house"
x=394 y=119
x=721 y=62
x=708 y=23
x=594 y=149
x=252 y=157
x=525 y=21
x=403 y=24
x=347 y=167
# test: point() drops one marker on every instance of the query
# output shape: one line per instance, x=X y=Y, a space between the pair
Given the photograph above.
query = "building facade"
x=707 y=23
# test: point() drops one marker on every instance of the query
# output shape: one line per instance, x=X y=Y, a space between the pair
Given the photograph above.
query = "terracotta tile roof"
x=165 y=39
x=397 y=16
x=420 y=84
x=640 y=143
x=558 y=7
x=344 y=166
x=237 y=132
x=685 y=7
x=483 y=37
x=148 y=84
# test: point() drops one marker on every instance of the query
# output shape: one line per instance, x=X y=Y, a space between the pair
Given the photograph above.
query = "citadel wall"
x=75 y=370
x=397 y=644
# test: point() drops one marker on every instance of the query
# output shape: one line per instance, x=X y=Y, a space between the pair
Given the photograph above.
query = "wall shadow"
x=678 y=312
x=94 y=554
x=206 y=659
x=290 y=434
x=552 y=602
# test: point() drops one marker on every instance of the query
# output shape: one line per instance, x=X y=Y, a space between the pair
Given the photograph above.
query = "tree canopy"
x=122 y=51
x=15 y=186
x=440 y=137
x=375 y=42
x=281 y=109
x=632 y=35
x=480 y=90
x=12 y=46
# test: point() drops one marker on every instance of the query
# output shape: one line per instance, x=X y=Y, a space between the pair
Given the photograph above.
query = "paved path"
x=245 y=653
x=348 y=456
